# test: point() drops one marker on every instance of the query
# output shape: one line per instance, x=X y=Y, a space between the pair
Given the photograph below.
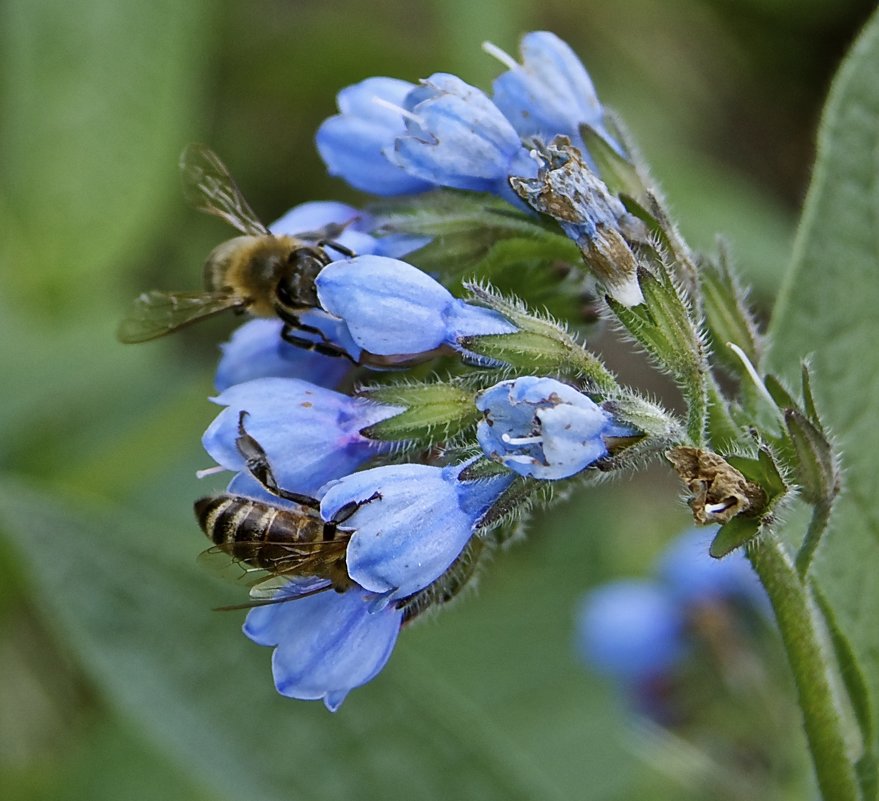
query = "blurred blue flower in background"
x=631 y=630
x=640 y=632
x=693 y=577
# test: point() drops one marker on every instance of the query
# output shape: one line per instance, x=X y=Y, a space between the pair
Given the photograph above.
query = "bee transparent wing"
x=154 y=314
x=224 y=565
x=268 y=590
x=208 y=186
x=231 y=560
x=270 y=595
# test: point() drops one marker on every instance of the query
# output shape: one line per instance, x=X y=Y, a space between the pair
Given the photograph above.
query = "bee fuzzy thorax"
x=251 y=267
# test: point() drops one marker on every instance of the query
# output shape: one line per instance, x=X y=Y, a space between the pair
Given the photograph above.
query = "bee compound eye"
x=285 y=292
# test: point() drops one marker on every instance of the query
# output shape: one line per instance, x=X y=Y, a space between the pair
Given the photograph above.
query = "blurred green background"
x=118 y=680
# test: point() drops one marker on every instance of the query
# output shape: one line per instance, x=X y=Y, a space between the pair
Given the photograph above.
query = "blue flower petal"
x=460 y=139
x=542 y=428
x=550 y=93
x=326 y=644
x=395 y=246
x=256 y=350
x=333 y=331
x=407 y=538
x=310 y=434
x=317 y=214
x=352 y=142
x=464 y=320
x=389 y=307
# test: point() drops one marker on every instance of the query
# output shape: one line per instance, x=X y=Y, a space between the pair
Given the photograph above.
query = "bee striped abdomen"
x=255 y=532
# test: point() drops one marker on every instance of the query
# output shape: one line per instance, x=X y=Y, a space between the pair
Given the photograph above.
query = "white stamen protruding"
x=529 y=460
x=408 y=115
x=716 y=508
x=501 y=55
x=535 y=440
x=209 y=471
x=758 y=382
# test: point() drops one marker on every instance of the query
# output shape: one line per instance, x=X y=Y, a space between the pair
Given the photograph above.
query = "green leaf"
x=827 y=311
x=431 y=410
x=93 y=97
x=850 y=671
x=733 y=535
x=128 y=598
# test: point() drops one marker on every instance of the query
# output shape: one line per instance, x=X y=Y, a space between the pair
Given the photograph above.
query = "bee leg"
x=349 y=508
x=328 y=232
x=329 y=243
x=324 y=348
x=258 y=466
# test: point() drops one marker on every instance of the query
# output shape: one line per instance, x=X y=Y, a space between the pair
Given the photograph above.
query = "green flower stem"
x=798 y=622
x=589 y=366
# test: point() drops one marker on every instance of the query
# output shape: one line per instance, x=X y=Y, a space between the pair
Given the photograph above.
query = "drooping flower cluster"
x=390 y=426
x=410 y=525
x=413 y=480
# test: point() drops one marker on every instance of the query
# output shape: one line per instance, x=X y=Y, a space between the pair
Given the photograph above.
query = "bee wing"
x=270 y=596
x=154 y=314
x=223 y=565
x=268 y=590
x=208 y=186
x=289 y=559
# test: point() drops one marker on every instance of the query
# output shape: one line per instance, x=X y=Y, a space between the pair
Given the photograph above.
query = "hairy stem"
x=798 y=621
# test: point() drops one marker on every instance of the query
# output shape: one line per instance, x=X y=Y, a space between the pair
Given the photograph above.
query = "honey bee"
x=258 y=272
x=270 y=544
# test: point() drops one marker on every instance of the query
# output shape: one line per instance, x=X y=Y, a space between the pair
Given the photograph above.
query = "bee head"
x=296 y=288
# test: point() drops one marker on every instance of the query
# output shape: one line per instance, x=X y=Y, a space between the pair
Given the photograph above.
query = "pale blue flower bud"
x=325 y=644
x=407 y=536
x=542 y=428
x=309 y=434
x=353 y=142
x=456 y=137
x=550 y=93
x=391 y=308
